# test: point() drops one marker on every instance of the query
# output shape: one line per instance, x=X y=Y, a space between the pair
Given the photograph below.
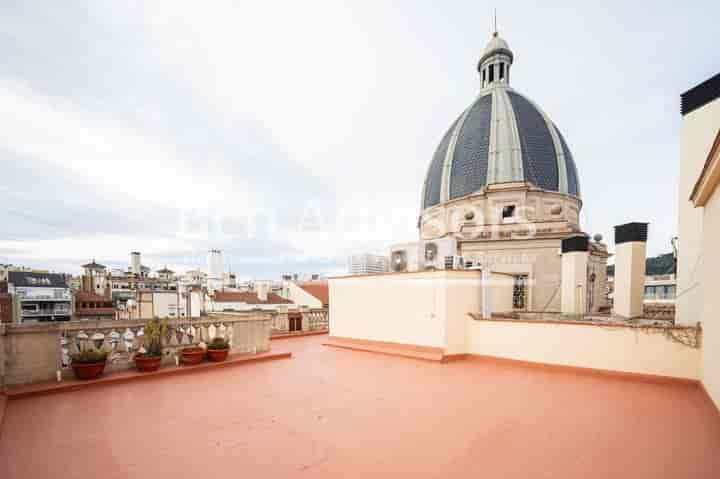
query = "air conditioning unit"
x=404 y=257
x=398 y=261
x=433 y=253
x=454 y=262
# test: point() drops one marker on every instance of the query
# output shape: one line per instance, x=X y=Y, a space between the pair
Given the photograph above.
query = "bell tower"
x=495 y=62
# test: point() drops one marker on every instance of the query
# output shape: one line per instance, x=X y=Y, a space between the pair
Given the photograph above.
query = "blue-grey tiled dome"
x=501 y=137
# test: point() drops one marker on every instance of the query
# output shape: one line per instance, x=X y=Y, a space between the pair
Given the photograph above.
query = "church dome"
x=501 y=137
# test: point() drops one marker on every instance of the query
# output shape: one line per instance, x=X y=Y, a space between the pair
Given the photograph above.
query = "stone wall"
x=36 y=352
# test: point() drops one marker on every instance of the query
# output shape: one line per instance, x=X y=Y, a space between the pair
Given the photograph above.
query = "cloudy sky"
x=291 y=134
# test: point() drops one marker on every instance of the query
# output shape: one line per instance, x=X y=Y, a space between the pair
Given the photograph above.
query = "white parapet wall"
x=422 y=308
x=646 y=350
x=439 y=315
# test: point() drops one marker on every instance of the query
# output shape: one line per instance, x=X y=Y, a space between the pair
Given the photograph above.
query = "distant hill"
x=661 y=264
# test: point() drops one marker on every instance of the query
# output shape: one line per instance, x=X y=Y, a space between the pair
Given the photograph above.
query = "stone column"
x=486 y=293
x=573 y=282
x=305 y=318
x=281 y=319
x=630 y=240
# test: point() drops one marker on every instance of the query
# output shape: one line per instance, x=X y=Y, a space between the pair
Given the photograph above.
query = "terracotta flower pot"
x=87 y=371
x=147 y=364
x=192 y=355
x=217 y=355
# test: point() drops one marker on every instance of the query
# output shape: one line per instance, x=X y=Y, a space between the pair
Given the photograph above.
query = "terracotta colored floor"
x=336 y=413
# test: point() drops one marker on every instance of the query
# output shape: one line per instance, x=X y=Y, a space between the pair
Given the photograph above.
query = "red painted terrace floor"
x=335 y=413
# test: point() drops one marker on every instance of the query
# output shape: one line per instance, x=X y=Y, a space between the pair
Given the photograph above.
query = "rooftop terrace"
x=331 y=412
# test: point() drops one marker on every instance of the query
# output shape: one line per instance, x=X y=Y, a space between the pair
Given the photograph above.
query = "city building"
x=7 y=311
x=93 y=299
x=660 y=280
x=700 y=109
x=229 y=280
x=311 y=294
x=166 y=274
x=216 y=273
x=125 y=284
x=261 y=298
x=95 y=279
x=501 y=192
x=699 y=223
x=40 y=296
x=91 y=306
x=368 y=264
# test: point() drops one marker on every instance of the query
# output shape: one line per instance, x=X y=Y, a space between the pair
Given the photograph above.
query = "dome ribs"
x=433 y=182
x=538 y=152
x=470 y=162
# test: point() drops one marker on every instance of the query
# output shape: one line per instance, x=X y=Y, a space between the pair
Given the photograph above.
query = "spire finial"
x=495 y=30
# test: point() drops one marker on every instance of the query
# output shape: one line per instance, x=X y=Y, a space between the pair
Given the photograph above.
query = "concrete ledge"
x=708 y=397
x=3 y=404
x=574 y=322
x=641 y=377
x=53 y=387
x=428 y=353
x=300 y=334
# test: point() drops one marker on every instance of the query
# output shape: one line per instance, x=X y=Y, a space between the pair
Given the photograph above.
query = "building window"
x=30 y=308
x=483 y=77
x=508 y=211
x=649 y=292
x=519 y=291
x=667 y=292
x=491 y=73
x=502 y=71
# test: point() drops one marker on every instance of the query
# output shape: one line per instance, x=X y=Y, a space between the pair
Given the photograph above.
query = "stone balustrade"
x=317 y=319
x=312 y=319
x=36 y=352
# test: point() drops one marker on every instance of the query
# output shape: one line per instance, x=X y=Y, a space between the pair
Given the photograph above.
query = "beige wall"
x=539 y=259
x=301 y=297
x=629 y=279
x=600 y=347
x=697 y=134
x=165 y=304
x=425 y=309
x=573 y=294
x=501 y=292
x=710 y=305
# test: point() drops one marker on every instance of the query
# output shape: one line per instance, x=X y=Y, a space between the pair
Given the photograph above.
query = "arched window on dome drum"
x=491 y=73
x=502 y=71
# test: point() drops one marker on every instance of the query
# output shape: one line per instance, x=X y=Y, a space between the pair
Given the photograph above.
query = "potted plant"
x=218 y=349
x=192 y=355
x=152 y=341
x=88 y=364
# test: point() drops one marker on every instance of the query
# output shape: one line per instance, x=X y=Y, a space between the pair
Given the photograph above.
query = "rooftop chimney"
x=573 y=280
x=630 y=240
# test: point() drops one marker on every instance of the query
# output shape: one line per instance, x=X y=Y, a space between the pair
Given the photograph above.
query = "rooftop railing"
x=311 y=319
x=37 y=352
